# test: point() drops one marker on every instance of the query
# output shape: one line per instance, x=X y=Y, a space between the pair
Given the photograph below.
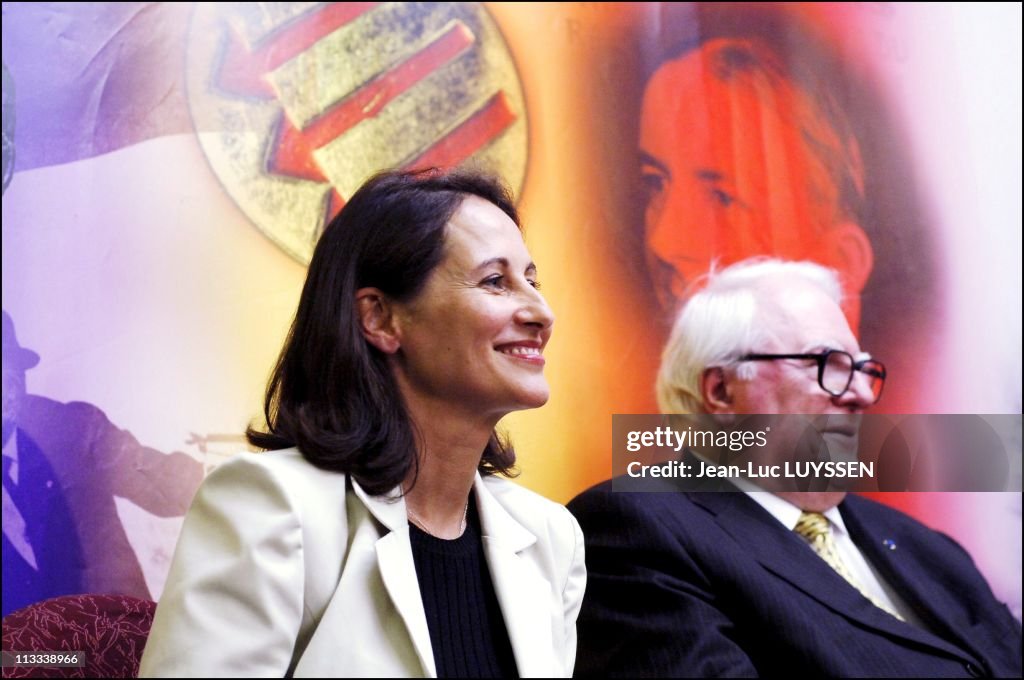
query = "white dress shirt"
x=14 y=526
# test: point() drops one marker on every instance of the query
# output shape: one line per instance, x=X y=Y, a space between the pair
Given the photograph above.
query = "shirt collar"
x=11 y=447
x=787 y=513
x=781 y=509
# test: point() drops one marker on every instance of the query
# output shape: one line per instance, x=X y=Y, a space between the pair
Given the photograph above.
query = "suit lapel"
x=905 y=574
x=789 y=558
x=398 y=570
x=523 y=593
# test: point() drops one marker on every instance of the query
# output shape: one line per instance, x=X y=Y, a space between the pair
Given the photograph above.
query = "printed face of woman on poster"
x=737 y=159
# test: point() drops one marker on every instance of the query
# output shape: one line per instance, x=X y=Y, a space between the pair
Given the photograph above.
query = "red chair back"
x=111 y=630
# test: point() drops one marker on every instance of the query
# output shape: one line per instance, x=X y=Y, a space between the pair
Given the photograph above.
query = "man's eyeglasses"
x=835 y=370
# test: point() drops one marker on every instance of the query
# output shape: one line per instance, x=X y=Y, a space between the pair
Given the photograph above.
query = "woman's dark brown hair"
x=332 y=394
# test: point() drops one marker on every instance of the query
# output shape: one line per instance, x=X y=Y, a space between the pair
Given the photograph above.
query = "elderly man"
x=783 y=583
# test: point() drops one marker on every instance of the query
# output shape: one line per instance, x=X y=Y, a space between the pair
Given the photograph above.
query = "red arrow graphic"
x=469 y=137
x=242 y=70
x=292 y=150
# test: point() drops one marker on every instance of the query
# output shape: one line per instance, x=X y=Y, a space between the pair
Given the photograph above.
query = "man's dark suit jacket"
x=49 y=529
x=88 y=462
x=710 y=584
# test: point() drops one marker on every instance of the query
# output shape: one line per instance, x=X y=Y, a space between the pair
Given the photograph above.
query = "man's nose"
x=859 y=394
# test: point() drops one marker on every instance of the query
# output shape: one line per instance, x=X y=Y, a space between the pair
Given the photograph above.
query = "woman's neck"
x=450 y=447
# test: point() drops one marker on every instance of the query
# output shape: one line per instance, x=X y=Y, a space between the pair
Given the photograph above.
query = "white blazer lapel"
x=523 y=592
x=398 y=571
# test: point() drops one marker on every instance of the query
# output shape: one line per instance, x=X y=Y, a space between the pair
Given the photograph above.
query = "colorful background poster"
x=168 y=168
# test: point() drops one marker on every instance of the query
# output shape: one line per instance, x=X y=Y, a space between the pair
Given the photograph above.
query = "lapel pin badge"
x=889 y=543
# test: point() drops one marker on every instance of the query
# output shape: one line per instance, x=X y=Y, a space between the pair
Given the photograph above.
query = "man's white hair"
x=718 y=324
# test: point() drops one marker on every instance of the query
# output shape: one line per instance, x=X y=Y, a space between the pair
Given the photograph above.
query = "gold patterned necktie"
x=814 y=528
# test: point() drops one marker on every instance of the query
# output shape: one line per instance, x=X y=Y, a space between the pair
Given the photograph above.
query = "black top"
x=467 y=630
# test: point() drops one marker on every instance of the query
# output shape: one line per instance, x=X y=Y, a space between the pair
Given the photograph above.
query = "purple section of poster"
x=93 y=77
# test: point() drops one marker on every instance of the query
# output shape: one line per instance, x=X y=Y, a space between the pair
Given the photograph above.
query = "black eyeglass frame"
x=875 y=368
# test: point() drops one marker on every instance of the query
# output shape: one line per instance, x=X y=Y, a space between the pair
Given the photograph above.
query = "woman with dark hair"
x=377 y=538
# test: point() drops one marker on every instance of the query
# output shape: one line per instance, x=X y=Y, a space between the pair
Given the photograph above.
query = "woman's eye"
x=496 y=281
x=723 y=198
x=535 y=283
x=652 y=184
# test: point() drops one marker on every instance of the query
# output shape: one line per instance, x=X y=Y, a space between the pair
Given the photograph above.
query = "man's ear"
x=716 y=390
x=376 y=319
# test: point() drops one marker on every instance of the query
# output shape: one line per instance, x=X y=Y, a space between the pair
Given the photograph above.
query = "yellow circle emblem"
x=296 y=104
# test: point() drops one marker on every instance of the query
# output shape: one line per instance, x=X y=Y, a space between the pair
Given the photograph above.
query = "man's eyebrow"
x=648 y=159
x=822 y=345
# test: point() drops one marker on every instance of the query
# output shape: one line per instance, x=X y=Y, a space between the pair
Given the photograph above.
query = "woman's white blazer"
x=285 y=569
